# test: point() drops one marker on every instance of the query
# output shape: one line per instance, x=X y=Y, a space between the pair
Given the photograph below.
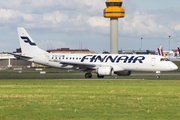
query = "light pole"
x=141 y=44
x=169 y=45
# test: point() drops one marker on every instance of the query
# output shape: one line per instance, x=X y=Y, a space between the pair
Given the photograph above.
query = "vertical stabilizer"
x=27 y=43
x=160 y=51
x=179 y=51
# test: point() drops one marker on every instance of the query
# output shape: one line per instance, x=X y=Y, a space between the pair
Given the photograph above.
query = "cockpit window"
x=164 y=59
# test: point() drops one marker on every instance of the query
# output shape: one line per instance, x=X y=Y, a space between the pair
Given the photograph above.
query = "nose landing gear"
x=158 y=74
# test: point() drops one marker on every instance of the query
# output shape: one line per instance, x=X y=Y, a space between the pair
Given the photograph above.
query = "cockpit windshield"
x=164 y=59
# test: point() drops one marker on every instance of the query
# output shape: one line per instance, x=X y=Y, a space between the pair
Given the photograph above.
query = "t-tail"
x=160 y=51
x=179 y=51
x=27 y=43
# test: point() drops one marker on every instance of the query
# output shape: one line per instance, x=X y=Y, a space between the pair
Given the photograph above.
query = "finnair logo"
x=27 y=40
x=115 y=59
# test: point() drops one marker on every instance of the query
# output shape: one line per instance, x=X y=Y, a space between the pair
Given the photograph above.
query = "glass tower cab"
x=114 y=9
x=117 y=4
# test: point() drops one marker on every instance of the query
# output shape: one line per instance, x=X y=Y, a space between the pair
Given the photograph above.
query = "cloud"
x=55 y=17
x=85 y=18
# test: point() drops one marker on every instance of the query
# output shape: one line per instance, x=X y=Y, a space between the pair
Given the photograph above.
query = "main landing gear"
x=100 y=76
x=158 y=74
x=88 y=75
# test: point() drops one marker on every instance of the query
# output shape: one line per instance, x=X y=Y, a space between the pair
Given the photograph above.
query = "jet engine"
x=123 y=73
x=105 y=71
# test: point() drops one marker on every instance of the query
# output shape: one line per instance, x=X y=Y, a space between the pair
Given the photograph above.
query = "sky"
x=71 y=23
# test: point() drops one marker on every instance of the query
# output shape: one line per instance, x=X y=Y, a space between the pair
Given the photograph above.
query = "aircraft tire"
x=157 y=76
x=88 y=75
x=100 y=76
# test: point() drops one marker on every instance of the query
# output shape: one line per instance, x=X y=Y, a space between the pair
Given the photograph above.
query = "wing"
x=80 y=66
x=88 y=65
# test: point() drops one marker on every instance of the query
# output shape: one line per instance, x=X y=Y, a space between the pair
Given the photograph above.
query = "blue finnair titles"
x=116 y=59
x=27 y=40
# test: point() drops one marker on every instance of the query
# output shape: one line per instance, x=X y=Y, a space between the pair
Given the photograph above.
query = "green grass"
x=89 y=100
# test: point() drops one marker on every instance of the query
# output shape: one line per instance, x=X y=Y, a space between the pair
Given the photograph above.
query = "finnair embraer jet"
x=101 y=64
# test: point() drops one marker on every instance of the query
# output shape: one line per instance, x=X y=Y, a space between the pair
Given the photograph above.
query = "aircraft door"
x=153 y=61
x=47 y=58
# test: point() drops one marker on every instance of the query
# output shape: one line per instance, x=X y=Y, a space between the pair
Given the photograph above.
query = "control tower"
x=114 y=11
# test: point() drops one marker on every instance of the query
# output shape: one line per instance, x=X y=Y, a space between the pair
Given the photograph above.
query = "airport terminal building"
x=9 y=61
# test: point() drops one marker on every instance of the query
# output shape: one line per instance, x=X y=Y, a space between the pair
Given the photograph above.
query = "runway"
x=93 y=79
x=64 y=75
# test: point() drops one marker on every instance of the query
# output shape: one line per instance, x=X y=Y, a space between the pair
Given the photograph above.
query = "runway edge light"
x=114 y=11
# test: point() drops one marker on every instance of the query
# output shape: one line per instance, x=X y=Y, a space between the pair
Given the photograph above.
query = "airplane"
x=175 y=58
x=101 y=64
x=170 y=57
x=160 y=51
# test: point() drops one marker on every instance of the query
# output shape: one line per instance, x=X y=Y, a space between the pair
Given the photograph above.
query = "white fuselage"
x=117 y=61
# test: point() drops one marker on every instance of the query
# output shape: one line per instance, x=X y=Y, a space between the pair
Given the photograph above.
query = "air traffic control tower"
x=114 y=11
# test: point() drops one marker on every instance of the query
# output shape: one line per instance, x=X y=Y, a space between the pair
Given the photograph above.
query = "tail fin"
x=160 y=51
x=179 y=51
x=27 y=43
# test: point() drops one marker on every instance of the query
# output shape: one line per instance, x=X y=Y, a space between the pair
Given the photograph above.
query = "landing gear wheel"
x=88 y=75
x=157 y=76
x=100 y=76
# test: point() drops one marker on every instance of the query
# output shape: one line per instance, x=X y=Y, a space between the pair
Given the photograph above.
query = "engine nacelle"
x=105 y=71
x=123 y=73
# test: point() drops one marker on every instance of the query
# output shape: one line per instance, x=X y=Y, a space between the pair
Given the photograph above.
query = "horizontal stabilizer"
x=20 y=56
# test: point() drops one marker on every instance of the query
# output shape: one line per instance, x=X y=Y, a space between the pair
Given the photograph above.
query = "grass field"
x=89 y=100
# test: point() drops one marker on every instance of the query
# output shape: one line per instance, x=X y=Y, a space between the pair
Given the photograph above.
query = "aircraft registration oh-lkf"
x=101 y=64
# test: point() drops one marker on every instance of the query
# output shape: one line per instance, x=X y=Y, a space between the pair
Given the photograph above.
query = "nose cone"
x=173 y=66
